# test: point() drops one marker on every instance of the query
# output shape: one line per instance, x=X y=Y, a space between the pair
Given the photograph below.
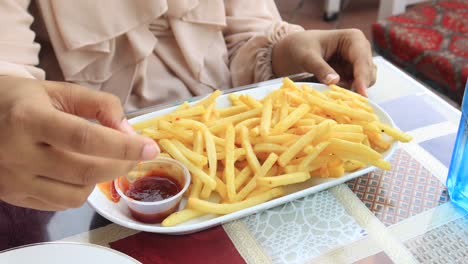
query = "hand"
x=331 y=55
x=50 y=156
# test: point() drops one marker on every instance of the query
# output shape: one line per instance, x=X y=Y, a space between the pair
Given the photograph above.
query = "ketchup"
x=108 y=189
x=153 y=188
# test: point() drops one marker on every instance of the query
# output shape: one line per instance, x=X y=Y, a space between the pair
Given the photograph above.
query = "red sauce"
x=108 y=189
x=153 y=188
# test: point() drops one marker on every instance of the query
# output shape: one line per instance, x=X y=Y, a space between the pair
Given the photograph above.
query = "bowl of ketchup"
x=154 y=189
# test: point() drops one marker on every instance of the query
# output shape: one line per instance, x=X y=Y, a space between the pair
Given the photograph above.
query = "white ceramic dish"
x=64 y=252
x=119 y=214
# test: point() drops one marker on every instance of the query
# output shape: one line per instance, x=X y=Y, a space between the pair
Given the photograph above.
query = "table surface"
x=401 y=216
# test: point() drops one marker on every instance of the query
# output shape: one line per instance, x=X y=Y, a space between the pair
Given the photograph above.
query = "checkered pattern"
x=404 y=191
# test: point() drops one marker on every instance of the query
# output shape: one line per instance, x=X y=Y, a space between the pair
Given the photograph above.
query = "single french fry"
x=284 y=108
x=376 y=140
x=323 y=131
x=295 y=148
x=250 y=101
x=234 y=98
x=181 y=134
x=183 y=106
x=336 y=170
x=221 y=188
x=156 y=133
x=258 y=190
x=189 y=112
x=227 y=208
x=198 y=159
x=242 y=177
x=289 y=84
x=352 y=165
x=198 y=143
x=348 y=136
x=238 y=154
x=250 y=186
x=335 y=87
x=212 y=162
x=189 y=124
x=285 y=179
x=210 y=99
x=208 y=112
x=279 y=139
x=289 y=121
x=146 y=124
x=338 y=145
x=197 y=172
x=265 y=122
x=394 y=133
x=181 y=217
x=254 y=132
x=229 y=162
x=249 y=123
x=313 y=154
x=162 y=154
x=269 y=148
x=348 y=128
x=305 y=122
x=251 y=158
x=196 y=188
x=340 y=109
x=218 y=125
x=233 y=110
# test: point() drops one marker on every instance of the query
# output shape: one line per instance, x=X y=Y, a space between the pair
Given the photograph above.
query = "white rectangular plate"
x=119 y=214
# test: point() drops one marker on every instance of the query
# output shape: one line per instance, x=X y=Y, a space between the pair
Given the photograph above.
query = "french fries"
x=243 y=155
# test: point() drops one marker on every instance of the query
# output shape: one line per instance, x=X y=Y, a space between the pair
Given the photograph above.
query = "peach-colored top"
x=147 y=51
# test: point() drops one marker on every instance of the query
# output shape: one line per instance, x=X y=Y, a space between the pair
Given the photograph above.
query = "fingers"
x=58 y=193
x=75 y=134
x=360 y=56
x=74 y=168
x=87 y=103
x=361 y=77
x=315 y=64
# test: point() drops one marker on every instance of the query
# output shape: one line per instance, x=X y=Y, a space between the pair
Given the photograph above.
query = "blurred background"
x=310 y=14
x=427 y=39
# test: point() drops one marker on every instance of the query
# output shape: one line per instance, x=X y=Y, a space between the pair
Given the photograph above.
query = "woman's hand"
x=50 y=156
x=333 y=56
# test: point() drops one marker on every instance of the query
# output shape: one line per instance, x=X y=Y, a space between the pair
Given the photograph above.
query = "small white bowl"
x=155 y=212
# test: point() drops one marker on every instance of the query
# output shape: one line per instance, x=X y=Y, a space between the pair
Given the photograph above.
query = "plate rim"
x=219 y=220
x=71 y=243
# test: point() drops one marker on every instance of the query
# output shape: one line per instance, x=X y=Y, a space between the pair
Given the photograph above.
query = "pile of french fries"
x=243 y=155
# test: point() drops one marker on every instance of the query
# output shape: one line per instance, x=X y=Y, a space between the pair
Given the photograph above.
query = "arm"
x=19 y=54
x=262 y=46
x=253 y=28
x=50 y=155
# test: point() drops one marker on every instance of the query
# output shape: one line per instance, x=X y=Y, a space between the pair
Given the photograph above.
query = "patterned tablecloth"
x=401 y=216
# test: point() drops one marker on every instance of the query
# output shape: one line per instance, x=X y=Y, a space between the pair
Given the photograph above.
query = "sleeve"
x=19 y=53
x=253 y=28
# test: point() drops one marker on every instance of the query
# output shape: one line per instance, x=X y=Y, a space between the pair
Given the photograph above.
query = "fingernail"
x=126 y=127
x=331 y=77
x=150 y=151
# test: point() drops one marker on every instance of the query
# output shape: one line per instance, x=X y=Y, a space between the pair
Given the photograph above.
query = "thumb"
x=321 y=69
x=78 y=100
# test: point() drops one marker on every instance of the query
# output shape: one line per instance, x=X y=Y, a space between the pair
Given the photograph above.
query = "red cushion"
x=431 y=41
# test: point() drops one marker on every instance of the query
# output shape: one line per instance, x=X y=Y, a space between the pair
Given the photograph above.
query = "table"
x=401 y=216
